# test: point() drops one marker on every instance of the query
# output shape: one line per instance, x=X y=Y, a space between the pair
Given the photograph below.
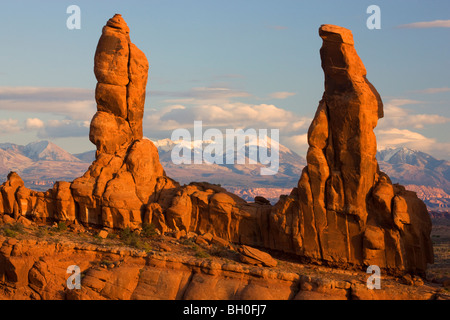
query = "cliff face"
x=343 y=212
x=37 y=269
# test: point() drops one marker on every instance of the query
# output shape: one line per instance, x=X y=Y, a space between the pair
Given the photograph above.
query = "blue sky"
x=229 y=63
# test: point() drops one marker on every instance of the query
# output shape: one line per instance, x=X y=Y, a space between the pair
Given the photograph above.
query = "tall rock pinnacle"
x=127 y=169
x=346 y=211
x=121 y=70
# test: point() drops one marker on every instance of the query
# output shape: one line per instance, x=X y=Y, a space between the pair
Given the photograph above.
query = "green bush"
x=17 y=227
x=132 y=239
x=62 y=226
x=126 y=235
x=148 y=230
x=201 y=254
x=41 y=232
x=11 y=230
x=9 y=233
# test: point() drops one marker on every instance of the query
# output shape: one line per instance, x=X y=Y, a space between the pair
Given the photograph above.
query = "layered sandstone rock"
x=344 y=211
x=126 y=172
x=37 y=270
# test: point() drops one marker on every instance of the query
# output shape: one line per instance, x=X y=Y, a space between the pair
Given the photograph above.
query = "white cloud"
x=406 y=138
x=45 y=93
x=229 y=115
x=9 y=126
x=298 y=143
x=281 y=95
x=72 y=103
x=77 y=110
x=34 y=123
x=398 y=117
x=201 y=95
x=160 y=123
x=64 y=129
x=401 y=137
x=427 y=24
x=433 y=90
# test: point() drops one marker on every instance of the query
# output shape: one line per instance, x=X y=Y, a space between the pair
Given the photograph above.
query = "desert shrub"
x=112 y=236
x=219 y=252
x=126 y=235
x=188 y=242
x=201 y=254
x=11 y=230
x=148 y=230
x=107 y=263
x=132 y=239
x=17 y=227
x=9 y=233
x=41 y=233
x=62 y=226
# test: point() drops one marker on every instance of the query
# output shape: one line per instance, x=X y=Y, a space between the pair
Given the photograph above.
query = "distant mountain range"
x=419 y=172
x=41 y=163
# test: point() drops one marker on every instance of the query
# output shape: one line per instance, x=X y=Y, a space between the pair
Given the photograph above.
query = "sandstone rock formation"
x=256 y=257
x=37 y=270
x=344 y=211
x=126 y=172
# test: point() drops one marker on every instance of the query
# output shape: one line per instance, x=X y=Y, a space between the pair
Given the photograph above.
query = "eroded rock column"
x=344 y=210
x=124 y=176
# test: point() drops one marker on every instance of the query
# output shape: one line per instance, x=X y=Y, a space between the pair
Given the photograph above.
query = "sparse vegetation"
x=106 y=263
x=41 y=232
x=112 y=236
x=61 y=226
x=133 y=239
x=201 y=254
x=219 y=252
x=9 y=233
x=12 y=230
x=198 y=251
x=149 y=230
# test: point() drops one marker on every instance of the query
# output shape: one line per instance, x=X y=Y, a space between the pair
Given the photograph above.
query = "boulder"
x=254 y=256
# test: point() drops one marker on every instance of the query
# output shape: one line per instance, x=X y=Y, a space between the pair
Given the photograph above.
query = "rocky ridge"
x=344 y=212
x=32 y=268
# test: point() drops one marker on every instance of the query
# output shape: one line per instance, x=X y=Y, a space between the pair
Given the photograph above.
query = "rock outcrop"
x=37 y=270
x=344 y=211
x=126 y=173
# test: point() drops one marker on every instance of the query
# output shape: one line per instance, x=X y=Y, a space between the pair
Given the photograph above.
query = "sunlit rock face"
x=344 y=211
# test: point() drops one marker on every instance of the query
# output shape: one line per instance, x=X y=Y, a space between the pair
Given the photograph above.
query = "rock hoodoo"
x=344 y=211
x=126 y=172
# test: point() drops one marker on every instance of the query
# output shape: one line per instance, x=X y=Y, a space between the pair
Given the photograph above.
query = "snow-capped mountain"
x=40 y=150
x=42 y=163
x=404 y=155
x=419 y=172
x=46 y=150
x=232 y=173
x=39 y=164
